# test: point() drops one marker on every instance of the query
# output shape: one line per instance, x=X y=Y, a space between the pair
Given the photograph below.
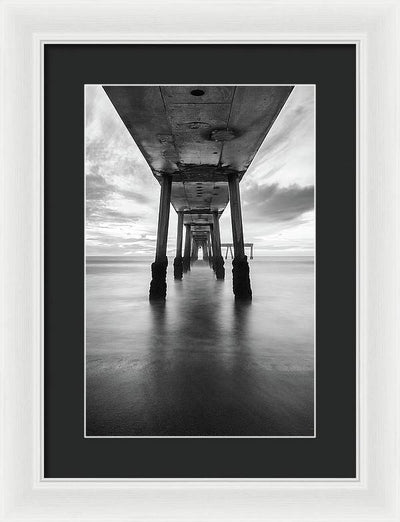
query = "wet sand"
x=200 y=364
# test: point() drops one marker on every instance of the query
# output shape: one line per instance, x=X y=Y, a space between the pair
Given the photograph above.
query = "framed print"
x=201 y=261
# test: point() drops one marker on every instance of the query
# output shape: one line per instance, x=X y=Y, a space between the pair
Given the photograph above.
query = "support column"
x=218 y=259
x=158 y=285
x=178 y=262
x=195 y=249
x=186 y=254
x=204 y=246
x=212 y=247
x=209 y=248
x=240 y=270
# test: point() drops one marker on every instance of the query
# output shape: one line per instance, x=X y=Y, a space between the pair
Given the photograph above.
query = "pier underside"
x=199 y=141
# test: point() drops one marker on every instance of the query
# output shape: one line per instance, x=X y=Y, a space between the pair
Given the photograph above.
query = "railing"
x=229 y=248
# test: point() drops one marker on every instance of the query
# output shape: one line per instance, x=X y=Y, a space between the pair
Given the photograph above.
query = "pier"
x=199 y=142
x=229 y=250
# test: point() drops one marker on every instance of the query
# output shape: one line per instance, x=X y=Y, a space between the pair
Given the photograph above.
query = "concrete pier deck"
x=198 y=135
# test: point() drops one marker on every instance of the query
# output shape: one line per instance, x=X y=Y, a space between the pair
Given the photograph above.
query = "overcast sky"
x=277 y=191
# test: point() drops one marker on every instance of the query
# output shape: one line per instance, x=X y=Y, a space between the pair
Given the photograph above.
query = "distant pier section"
x=229 y=247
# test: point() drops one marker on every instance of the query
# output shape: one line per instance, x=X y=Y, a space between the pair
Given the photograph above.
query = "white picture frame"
x=373 y=26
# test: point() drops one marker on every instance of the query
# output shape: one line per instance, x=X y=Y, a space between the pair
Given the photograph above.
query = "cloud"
x=97 y=188
x=287 y=154
x=275 y=203
x=119 y=217
x=121 y=192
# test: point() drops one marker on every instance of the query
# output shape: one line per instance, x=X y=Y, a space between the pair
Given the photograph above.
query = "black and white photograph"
x=200 y=261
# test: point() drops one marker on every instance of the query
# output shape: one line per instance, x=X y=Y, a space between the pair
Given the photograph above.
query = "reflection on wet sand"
x=200 y=364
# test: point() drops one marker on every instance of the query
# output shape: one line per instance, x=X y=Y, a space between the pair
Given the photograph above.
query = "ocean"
x=200 y=364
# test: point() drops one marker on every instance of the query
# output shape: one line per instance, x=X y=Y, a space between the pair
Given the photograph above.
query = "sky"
x=277 y=191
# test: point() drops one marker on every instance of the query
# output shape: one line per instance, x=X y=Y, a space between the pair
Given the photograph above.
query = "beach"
x=199 y=364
